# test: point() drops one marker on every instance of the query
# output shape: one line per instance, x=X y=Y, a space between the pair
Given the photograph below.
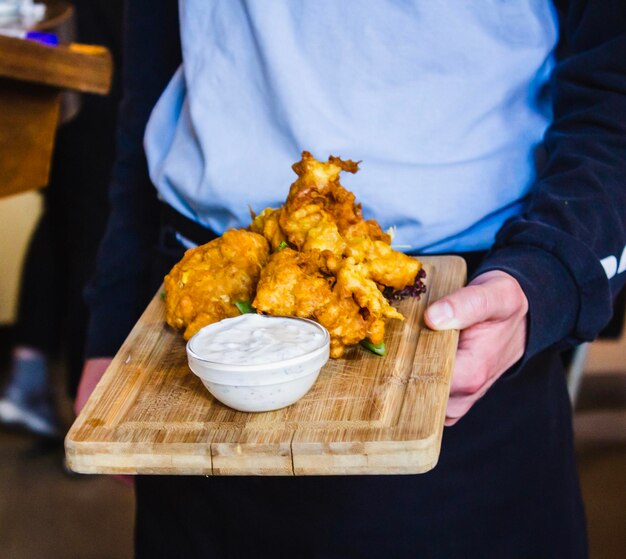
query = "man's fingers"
x=491 y=315
x=92 y=373
x=461 y=309
x=476 y=303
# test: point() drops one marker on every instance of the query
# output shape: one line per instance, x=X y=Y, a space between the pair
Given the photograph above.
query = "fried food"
x=266 y=224
x=346 y=301
x=318 y=209
x=320 y=216
x=327 y=263
x=300 y=284
x=205 y=285
x=384 y=265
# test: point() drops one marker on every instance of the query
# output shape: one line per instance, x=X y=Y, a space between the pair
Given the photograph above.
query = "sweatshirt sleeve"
x=568 y=249
x=117 y=293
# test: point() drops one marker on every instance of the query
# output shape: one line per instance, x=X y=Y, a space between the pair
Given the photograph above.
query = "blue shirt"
x=440 y=100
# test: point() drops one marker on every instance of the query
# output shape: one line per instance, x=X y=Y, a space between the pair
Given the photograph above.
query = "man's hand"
x=491 y=314
x=92 y=373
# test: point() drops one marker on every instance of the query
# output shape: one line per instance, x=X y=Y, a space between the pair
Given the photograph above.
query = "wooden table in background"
x=32 y=79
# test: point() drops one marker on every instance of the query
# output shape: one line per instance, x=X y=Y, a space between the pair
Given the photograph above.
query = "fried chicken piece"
x=299 y=284
x=203 y=287
x=318 y=208
x=292 y=284
x=369 y=229
x=322 y=232
x=352 y=279
x=267 y=224
x=384 y=265
x=319 y=213
x=344 y=321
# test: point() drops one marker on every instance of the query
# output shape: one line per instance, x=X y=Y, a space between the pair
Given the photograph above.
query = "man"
x=446 y=104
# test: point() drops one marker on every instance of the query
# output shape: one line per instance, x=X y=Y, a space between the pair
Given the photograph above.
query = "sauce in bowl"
x=253 y=339
x=259 y=363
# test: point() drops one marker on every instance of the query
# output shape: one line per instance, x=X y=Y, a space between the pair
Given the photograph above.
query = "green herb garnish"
x=378 y=349
x=281 y=246
x=163 y=295
x=245 y=307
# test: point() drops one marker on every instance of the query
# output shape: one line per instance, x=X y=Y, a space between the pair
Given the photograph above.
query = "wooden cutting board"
x=365 y=414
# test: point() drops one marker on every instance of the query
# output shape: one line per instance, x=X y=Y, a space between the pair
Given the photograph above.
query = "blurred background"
x=45 y=510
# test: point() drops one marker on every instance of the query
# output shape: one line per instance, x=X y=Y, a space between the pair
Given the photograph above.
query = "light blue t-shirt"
x=441 y=100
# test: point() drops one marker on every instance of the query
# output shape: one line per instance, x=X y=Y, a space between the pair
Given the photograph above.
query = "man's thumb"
x=461 y=309
x=492 y=296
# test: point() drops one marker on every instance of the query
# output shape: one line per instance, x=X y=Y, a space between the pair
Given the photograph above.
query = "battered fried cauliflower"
x=205 y=285
x=384 y=265
x=300 y=284
x=326 y=263
x=266 y=224
x=318 y=208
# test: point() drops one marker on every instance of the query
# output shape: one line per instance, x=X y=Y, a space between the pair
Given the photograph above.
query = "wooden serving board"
x=365 y=414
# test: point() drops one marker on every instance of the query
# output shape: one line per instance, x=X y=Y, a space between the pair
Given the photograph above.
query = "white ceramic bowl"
x=259 y=387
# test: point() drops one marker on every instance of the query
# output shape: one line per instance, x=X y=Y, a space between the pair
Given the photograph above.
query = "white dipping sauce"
x=259 y=363
x=255 y=339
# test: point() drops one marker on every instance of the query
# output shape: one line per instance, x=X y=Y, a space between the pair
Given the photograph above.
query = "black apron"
x=505 y=487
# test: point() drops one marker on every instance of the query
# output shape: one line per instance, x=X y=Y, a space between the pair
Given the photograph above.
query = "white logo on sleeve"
x=622 y=262
x=610 y=265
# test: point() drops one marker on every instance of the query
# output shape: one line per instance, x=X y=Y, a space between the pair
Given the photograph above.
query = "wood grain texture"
x=365 y=414
x=85 y=68
x=38 y=89
x=28 y=120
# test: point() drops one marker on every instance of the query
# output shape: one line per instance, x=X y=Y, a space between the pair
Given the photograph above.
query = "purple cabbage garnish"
x=414 y=290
